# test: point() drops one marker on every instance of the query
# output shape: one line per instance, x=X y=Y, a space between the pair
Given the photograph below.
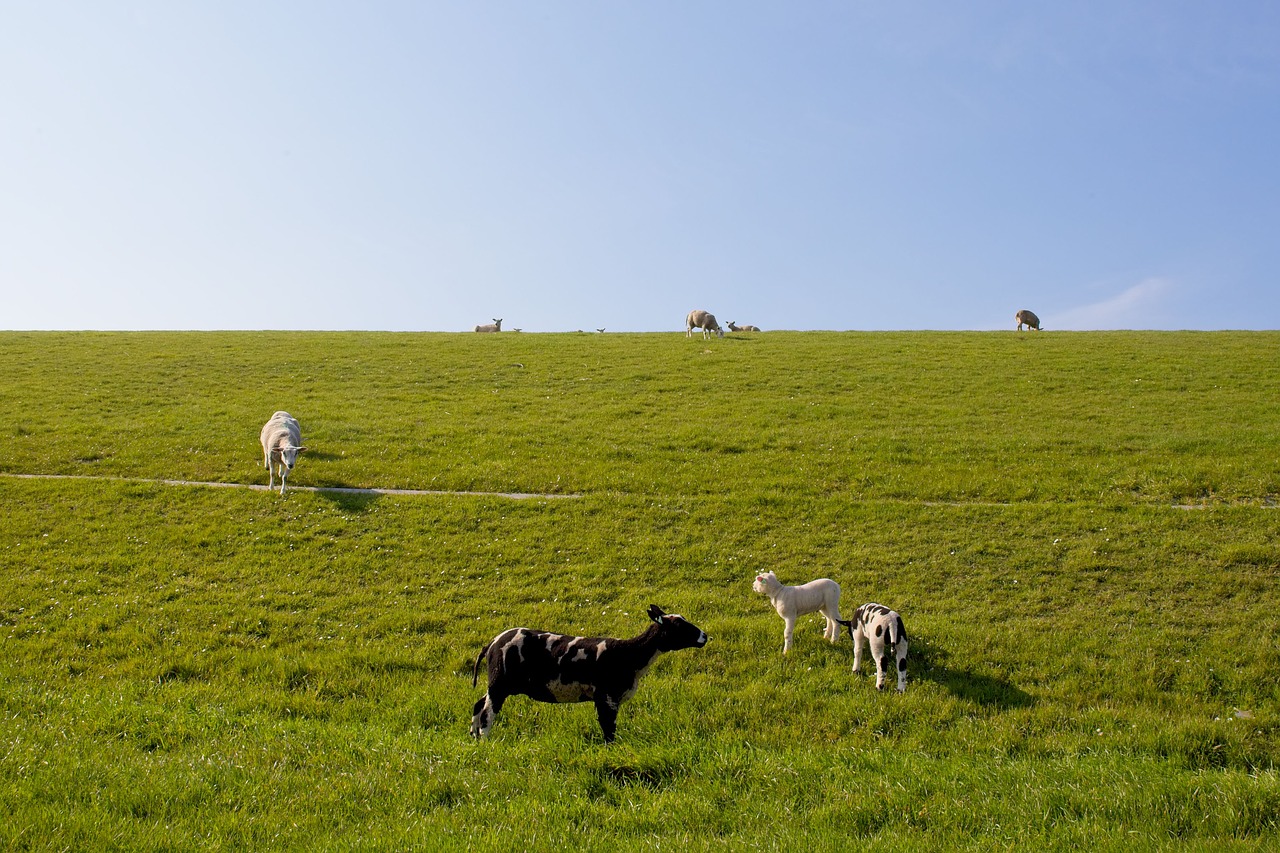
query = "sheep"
x=1025 y=316
x=736 y=328
x=550 y=667
x=495 y=326
x=795 y=601
x=699 y=319
x=281 y=439
x=884 y=632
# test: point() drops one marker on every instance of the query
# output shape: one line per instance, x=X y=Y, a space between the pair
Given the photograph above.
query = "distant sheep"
x=495 y=326
x=698 y=319
x=1027 y=317
x=884 y=632
x=557 y=668
x=281 y=439
x=792 y=602
x=735 y=328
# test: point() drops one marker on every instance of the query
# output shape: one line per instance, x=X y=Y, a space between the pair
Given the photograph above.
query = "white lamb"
x=792 y=602
x=281 y=439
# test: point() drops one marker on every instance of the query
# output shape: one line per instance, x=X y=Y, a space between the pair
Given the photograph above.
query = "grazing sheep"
x=281 y=439
x=795 y=601
x=557 y=668
x=1025 y=316
x=698 y=319
x=495 y=326
x=736 y=328
x=885 y=633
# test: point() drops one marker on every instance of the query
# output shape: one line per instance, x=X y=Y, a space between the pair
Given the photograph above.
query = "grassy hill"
x=1078 y=529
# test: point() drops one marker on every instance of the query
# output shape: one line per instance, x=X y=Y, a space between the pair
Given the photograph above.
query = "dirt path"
x=340 y=490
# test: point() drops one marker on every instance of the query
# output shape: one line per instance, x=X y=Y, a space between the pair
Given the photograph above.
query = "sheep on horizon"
x=495 y=326
x=699 y=319
x=736 y=328
x=1029 y=318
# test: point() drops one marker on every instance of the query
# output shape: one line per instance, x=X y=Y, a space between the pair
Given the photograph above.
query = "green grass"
x=193 y=668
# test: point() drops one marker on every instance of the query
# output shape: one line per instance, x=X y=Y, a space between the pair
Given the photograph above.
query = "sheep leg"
x=857 y=648
x=902 y=665
x=879 y=656
x=832 y=614
x=788 y=632
x=607 y=714
x=882 y=666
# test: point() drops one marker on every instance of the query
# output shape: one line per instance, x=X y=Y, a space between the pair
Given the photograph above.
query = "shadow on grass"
x=347 y=498
x=322 y=455
x=928 y=661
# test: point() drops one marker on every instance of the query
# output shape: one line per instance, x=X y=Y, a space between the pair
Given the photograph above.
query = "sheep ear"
x=302 y=449
x=655 y=612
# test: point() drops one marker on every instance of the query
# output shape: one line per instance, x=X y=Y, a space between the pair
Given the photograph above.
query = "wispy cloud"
x=1145 y=305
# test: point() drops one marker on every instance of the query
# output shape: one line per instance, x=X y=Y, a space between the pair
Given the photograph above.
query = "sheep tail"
x=475 y=668
x=897 y=631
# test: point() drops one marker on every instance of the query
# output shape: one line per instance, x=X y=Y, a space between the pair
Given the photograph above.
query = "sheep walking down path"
x=281 y=438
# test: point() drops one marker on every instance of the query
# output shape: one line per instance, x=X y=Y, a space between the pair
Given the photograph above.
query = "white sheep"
x=281 y=442
x=884 y=632
x=736 y=328
x=495 y=326
x=1025 y=316
x=792 y=602
x=699 y=319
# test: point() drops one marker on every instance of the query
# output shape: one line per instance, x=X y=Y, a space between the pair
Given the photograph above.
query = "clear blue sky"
x=576 y=165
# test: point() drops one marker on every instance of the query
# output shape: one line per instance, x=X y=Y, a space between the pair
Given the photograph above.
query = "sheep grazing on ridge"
x=1029 y=318
x=557 y=668
x=884 y=632
x=792 y=602
x=281 y=439
x=736 y=328
x=699 y=319
x=495 y=326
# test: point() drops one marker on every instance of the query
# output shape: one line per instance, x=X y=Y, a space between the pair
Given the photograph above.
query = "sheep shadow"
x=347 y=498
x=322 y=455
x=930 y=662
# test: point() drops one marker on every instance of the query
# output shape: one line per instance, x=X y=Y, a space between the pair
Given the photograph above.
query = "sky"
x=565 y=165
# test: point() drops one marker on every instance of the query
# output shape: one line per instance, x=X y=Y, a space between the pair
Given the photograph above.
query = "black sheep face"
x=676 y=632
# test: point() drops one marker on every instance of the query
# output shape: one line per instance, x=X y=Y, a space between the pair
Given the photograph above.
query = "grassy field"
x=1078 y=528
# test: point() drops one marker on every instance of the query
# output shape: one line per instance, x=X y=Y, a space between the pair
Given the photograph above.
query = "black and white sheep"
x=495 y=326
x=557 y=668
x=1029 y=318
x=884 y=632
x=281 y=439
x=699 y=319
